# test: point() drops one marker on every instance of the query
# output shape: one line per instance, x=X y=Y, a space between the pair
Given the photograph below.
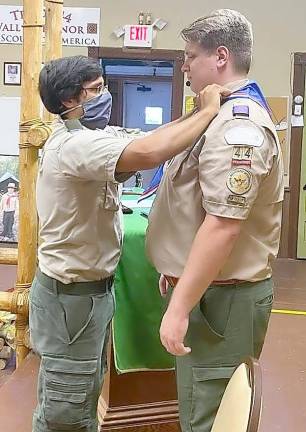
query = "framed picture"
x=12 y=73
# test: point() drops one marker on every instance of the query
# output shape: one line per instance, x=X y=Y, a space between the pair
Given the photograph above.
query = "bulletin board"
x=10 y=117
x=279 y=107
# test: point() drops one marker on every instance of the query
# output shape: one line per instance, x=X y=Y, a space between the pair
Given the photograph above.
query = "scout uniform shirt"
x=234 y=171
x=77 y=203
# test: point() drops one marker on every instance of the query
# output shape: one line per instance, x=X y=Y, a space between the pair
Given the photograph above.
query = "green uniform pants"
x=70 y=334
x=228 y=324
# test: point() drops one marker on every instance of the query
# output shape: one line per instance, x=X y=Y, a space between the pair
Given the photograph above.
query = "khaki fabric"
x=235 y=170
x=78 y=203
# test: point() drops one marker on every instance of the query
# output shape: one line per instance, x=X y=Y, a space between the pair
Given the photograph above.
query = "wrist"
x=177 y=310
x=209 y=112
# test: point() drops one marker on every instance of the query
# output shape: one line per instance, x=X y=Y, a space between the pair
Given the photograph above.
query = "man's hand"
x=210 y=97
x=172 y=332
x=163 y=286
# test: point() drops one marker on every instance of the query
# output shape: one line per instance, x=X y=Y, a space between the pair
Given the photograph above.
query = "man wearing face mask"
x=71 y=299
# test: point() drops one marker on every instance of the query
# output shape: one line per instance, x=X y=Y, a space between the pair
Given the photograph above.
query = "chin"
x=196 y=88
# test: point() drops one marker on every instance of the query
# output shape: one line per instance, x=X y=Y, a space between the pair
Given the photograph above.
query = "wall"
x=279 y=29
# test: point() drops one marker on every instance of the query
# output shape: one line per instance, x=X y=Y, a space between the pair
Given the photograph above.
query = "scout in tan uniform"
x=71 y=301
x=215 y=224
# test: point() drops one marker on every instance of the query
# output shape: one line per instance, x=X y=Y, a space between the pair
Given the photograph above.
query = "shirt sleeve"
x=234 y=160
x=92 y=155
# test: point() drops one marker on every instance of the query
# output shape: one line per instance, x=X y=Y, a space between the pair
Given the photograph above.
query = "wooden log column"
x=53 y=29
x=28 y=157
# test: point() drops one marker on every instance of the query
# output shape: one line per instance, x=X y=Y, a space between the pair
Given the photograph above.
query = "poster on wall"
x=279 y=108
x=9 y=199
x=81 y=26
x=189 y=104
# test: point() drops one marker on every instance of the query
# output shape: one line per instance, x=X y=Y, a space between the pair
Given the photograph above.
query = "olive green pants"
x=228 y=324
x=70 y=334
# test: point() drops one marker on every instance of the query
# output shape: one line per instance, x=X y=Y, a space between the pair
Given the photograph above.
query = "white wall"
x=279 y=29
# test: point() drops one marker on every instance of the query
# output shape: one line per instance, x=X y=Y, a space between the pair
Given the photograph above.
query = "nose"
x=184 y=67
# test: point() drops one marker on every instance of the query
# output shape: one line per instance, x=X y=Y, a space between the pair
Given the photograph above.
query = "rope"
x=26 y=126
x=33 y=25
x=55 y=1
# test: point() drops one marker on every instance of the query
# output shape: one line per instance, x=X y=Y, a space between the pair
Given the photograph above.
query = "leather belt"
x=172 y=281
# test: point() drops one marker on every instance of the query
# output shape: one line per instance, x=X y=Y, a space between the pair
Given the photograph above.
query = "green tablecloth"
x=139 y=306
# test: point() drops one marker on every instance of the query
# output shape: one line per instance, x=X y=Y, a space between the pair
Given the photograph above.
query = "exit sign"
x=138 y=36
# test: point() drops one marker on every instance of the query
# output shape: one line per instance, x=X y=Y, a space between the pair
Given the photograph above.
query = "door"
x=301 y=241
x=147 y=104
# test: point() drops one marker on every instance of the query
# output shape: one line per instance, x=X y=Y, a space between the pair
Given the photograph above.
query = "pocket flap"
x=76 y=398
x=69 y=366
x=212 y=373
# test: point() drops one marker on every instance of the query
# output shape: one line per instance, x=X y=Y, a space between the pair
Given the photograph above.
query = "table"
x=139 y=306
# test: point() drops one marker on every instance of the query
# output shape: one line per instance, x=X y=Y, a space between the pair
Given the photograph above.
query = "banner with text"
x=81 y=26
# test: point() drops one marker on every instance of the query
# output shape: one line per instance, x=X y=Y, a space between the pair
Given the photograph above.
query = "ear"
x=223 y=55
x=70 y=103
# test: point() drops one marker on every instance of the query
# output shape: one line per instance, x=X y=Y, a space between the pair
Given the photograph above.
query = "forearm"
x=164 y=143
x=179 y=120
x=209 y=252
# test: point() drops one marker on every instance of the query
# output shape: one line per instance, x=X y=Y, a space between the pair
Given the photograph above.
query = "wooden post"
x=53 y=29
x=28 y=156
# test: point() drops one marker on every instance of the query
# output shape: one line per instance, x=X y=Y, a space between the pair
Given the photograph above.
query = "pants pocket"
x=262 y=312
x=216 y=307
x=208 y=387
x=78 y=312
x=67 y=391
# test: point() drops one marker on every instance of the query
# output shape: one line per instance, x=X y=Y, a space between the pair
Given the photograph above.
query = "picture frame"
x=12 y=73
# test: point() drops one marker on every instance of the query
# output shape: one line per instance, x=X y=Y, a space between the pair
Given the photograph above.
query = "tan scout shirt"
x=235 y=170
x=77 y=202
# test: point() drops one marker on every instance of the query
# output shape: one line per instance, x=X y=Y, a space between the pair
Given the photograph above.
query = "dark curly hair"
x=62 y=79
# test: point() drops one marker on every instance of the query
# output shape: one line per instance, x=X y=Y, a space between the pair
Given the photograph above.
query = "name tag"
x=244 y=136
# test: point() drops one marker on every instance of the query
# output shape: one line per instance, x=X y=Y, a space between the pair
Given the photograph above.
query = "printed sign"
x=81 y=26
x=138 y=36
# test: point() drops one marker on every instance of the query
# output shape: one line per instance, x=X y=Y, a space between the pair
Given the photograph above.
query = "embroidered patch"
x=242 y=156
x=245 y=136
x=239 y=181
x=239 y=201
x=241 y=111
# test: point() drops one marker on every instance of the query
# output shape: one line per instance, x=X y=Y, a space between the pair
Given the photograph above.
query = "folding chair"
x=241 y=403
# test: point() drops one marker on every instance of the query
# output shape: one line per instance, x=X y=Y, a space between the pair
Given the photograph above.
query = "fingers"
x=175 y=348
x=225 y=91
x=163 y=286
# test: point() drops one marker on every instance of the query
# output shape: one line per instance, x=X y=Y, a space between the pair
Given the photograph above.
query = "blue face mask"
x=97 y=111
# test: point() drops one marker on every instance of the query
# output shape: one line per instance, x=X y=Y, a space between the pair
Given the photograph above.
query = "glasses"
x=101 y=88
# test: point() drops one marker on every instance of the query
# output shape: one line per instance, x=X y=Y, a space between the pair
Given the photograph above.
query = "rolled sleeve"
x=231 y=174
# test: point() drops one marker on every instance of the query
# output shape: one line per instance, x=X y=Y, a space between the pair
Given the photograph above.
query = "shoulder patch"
x=244 y=135
x=239 y=181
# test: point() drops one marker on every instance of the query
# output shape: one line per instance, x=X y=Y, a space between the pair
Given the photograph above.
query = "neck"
x=230 y=78
x=74 y=114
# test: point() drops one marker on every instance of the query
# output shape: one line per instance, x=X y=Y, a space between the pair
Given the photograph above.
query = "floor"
x=283 y=359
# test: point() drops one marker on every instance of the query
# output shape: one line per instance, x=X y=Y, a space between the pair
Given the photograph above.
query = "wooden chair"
x=240 y=407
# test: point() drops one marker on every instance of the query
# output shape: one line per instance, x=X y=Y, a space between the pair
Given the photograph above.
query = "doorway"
x=294 y=212
x=147 y=88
